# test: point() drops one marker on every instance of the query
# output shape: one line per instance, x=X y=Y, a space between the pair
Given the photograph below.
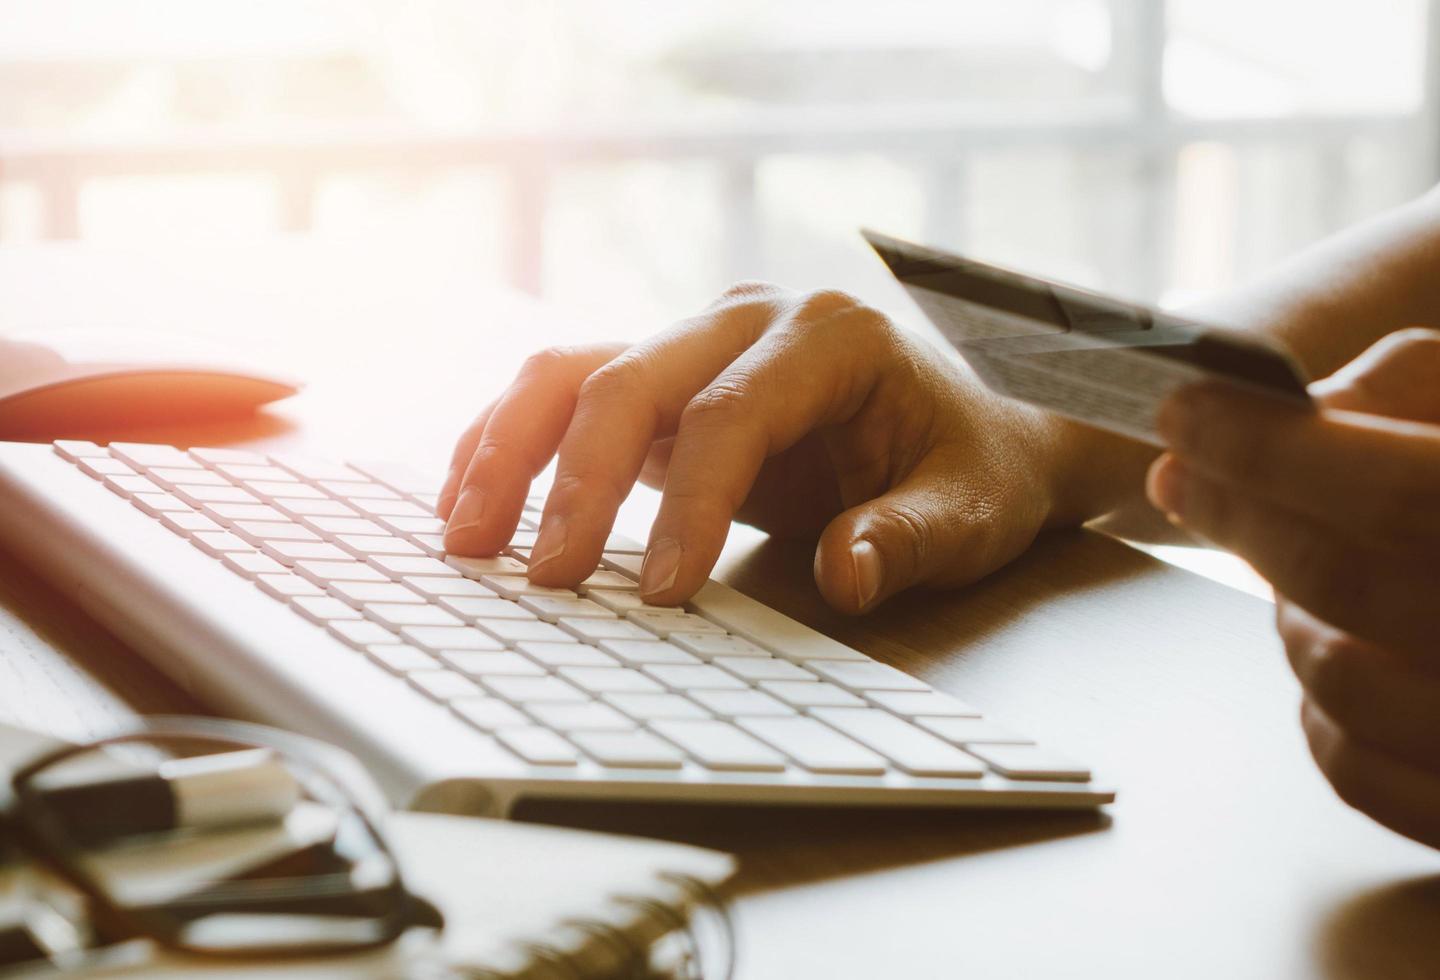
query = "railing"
x=938 y=143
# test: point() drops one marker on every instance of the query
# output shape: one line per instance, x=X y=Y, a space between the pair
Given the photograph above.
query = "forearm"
x=1325 y=305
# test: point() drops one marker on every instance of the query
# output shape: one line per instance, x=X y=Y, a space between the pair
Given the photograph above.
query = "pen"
x=248 y=786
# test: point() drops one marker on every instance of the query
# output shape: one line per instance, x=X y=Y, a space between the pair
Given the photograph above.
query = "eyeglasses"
x=208 y=837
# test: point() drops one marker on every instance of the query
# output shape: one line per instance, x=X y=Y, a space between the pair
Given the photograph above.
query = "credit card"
x=1092 y=357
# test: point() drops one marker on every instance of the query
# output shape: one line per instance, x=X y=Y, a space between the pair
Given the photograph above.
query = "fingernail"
x=550 y=544
x=1165 y=485
x=866 y=560
x=662 y=565
x=469 y=508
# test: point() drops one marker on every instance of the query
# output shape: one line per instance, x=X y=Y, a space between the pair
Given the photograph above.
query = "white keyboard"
x=318 y=596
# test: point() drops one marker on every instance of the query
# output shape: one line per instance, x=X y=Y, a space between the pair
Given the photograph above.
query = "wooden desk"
x=1226 y=855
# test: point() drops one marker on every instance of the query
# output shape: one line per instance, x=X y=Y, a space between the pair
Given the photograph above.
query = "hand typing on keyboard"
x=803 y=414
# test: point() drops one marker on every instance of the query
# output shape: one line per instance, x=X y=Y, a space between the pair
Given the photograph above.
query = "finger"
x=1398 y=376
x=1374 y=696
x=459 y=459
x=1379 y=478
x=621 y=410
x=1356 y=587
x=932 y=529
x=1392 y=792
x=518 y=438
x=754 y=409
x=657 y=463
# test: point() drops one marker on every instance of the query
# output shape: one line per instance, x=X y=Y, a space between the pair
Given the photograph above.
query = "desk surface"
x=1225 y=855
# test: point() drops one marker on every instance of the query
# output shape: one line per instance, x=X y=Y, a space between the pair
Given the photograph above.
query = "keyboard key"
x=619 y=544
x=719 y=745
x=391 y=508
x=522 y=539
x=624 y=602
x=552 y=608
x=814 y=746
x=232 y=514
x=215 y=457
x=325 y=572
x=328 y=526
x=352 y=490
x=866 y=676
x=598 y=630
x=397 y=476
x=179 y=476
x=364 y=545
x=398 y=566
x=591 y=716
x=969 y=731
x=538 y=746
x=566 y=655
x=412 y=525
x=629 y=750
x=308 y=468
x=811 y=694
x=609 y=680
x=397 y=658
x=299 y=507
x=128 y=486
x=286 y=586
x=198 y=496
x=188 y=522
x=362 y=634
x=250 y=564
x=655 y=707
x=662 y=624
x=519 y=690
x=290 y=552
x=912 y=703
x=156 y=504
x=447 y=586
x=75 y=450
x=476 y=567
x=275 y=490
x=708 y=645
x=395 y=615
x=359 y=593
x=627 y=565
x=649 y=651
x=518 y=630
x=767 y=627
x=514 y=586
x=430 y=544
x=1030 y=762
x=322 y=609
x=475 y=663
x=605 y=579
x=217 y=543
x=488 y=714
x=746 y=702
x=438 y=638
x=915 y=751
x=100 y=467
x=259 y=531
x=143 y=455
x=243 y=473
x=684 y=678
x=443 y=685
x=755 y=669
x=470 y=608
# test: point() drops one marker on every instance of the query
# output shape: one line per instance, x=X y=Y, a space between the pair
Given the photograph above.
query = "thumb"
x=1398 y=376
x=932 y=529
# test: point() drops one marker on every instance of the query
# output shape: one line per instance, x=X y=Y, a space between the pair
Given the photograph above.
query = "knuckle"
x=724 y=402
x=546 y=362
x=1331 y=671
x=623 y=377
x=747 y=289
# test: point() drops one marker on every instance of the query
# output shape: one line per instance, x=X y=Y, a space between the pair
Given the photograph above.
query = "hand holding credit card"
x=1094 y=358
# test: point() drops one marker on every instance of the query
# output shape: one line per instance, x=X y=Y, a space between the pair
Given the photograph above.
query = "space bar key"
x=912 y=750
